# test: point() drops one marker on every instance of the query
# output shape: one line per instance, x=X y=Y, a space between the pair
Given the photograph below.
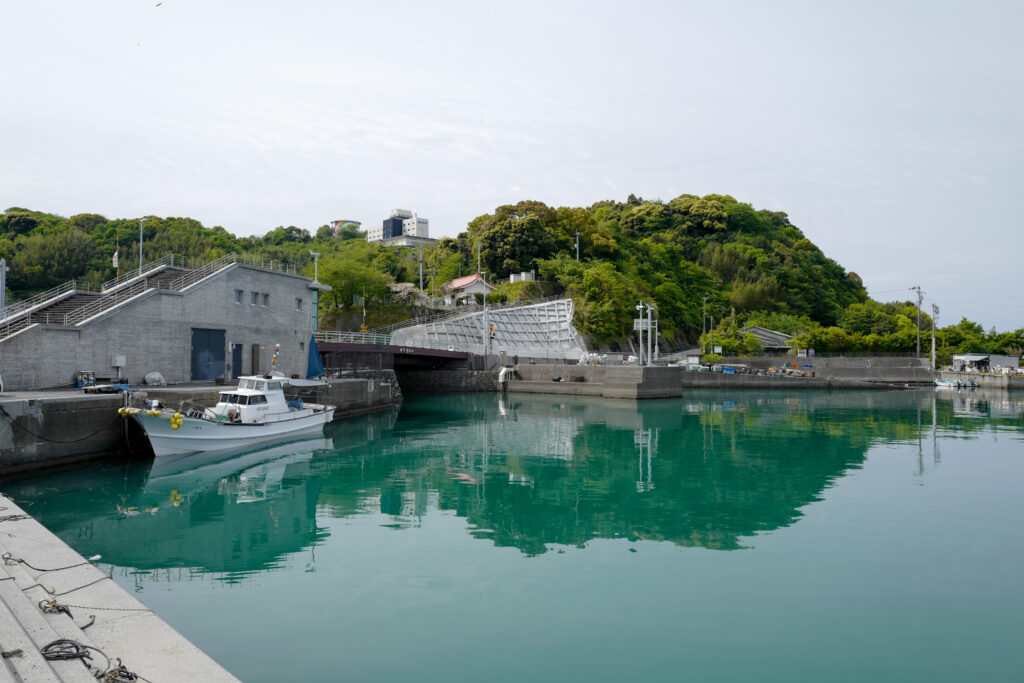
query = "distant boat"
x=955 y=384
x=256 y=412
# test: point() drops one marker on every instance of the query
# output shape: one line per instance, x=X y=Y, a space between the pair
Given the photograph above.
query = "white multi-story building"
x=403 y=228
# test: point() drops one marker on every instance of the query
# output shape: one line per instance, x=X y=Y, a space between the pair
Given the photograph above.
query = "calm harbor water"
x=724 y=536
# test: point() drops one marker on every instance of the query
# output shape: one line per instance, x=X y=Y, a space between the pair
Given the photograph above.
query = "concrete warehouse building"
x=219 y=320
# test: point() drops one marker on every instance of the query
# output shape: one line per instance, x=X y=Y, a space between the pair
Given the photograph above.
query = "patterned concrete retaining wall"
x=448 y=381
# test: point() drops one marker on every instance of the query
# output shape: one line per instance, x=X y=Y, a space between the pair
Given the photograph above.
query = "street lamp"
x=316 y=265
x=141 y=221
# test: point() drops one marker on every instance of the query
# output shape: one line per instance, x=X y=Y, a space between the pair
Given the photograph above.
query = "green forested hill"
x=753 y=266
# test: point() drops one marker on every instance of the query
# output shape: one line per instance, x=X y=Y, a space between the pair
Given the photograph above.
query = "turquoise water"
x=724 y=536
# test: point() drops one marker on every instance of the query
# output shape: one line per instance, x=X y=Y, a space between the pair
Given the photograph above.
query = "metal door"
x=236 y=361
x=207 y=353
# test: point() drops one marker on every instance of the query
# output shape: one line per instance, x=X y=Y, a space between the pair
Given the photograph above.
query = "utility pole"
x=3 y=288
x=316 y=265
x=917 y=288
x=650 y=329
x=712 y=343
x=141 y=221
x=935 y=317
x=577 y=245
x=478 y=255
x=640 y=329
x=421 y=268
x=703 y=316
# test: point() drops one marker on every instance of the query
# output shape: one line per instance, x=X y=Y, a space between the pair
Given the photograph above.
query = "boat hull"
x=195 y=435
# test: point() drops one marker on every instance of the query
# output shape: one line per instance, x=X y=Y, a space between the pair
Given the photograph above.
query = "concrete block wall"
x=448 y=381
x=611 y=381
x=888 y=369
x=58 y=430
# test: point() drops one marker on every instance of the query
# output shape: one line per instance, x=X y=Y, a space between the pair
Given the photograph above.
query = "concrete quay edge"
x=124 y=628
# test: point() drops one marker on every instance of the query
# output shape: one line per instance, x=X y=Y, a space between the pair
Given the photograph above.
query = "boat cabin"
x=255 y=398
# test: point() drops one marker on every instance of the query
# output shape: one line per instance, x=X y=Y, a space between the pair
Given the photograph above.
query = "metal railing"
x=194 y=276
x=22 y=314
x=350 y=337
x=105 y=302
x=166 y=260
x=19 y=307
x=271 y=265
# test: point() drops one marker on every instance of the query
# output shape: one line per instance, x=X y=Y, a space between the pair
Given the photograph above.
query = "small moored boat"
x=255 y=412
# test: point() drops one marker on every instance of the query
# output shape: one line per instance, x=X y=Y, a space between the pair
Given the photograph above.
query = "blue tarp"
x=315 y=368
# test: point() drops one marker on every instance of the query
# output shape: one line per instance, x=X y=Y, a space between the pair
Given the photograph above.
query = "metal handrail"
x=350 y=337
x=202 y=272
x=106 y=302
x=19 y=307
x=272 y=265
x=167 y=259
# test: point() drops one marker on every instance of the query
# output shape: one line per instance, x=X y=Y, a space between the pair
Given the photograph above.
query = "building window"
x=255 y=298
x=266 y=299
x=302 y=346
x=238 y=296
x=298 y=303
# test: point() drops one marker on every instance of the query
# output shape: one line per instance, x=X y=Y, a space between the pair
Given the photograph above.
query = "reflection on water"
x=529 y=472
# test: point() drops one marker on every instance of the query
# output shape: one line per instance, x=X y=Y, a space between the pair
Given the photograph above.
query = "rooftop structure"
x=343 y=223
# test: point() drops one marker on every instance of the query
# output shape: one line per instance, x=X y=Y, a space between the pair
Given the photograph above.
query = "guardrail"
x=350 y=337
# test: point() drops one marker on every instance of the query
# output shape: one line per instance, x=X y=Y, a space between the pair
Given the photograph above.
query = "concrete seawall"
x=611 y=381
x=883 y=369
x=1004 y=382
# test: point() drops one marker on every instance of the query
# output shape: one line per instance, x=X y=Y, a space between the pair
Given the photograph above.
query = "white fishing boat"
x=255 y=412
x=955 y=384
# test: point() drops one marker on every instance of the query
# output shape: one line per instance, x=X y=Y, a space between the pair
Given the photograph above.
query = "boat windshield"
x=247 y=384
x=237 y=399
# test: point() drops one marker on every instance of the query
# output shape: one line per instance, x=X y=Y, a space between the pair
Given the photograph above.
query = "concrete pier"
x=611 y=381
x=49 y=592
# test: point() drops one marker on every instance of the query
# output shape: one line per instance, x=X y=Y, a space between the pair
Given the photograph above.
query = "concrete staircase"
x=72 y=306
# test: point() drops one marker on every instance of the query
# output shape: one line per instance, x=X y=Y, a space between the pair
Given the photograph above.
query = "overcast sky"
x=890 y=132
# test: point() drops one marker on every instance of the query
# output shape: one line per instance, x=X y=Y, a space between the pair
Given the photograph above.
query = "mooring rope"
x=46 y=438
